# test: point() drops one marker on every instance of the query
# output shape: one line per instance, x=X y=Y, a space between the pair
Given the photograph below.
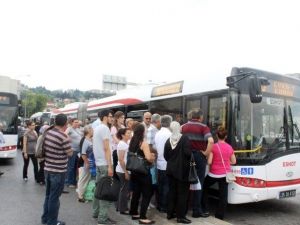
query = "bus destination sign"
x=168 y=89
x=280 y=88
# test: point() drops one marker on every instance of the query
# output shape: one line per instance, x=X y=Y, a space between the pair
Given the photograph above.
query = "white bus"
x=8 y=124
x=260 y=110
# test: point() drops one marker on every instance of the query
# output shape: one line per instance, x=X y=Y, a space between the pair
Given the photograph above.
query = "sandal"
x=146 y=221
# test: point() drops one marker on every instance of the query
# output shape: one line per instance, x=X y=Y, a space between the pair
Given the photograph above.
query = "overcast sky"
x=71 y=44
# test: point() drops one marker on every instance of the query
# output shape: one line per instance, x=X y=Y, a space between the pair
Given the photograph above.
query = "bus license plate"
x=287 y=194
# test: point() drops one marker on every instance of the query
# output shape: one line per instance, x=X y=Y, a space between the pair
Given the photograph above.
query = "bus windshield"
x=266 y=129
x=8 y=116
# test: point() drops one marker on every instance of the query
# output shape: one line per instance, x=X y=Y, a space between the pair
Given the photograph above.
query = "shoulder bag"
x=107 y=189
x=136 y=163
x=193 y=177
x=230 y=178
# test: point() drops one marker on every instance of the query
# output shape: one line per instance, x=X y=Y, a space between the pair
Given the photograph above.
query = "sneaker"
x=1 y=173
x=25 y=179
x=60 y=223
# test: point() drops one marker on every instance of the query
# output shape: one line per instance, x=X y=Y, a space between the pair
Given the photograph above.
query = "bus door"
x=217 y=112
x=191 y=103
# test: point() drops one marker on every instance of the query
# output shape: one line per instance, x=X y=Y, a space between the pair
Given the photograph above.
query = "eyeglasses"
x=147 y=118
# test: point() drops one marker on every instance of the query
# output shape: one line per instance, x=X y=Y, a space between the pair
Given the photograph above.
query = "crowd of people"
x=76 y=155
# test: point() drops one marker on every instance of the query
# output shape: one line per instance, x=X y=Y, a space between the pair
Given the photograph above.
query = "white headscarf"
x=176 y=134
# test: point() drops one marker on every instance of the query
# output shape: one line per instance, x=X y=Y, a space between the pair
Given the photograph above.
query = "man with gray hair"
x=160 y=139
x=152 y=130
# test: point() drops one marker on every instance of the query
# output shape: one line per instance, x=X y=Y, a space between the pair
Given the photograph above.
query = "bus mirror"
x=20 y=108
x=20 y=111
x=255 y=90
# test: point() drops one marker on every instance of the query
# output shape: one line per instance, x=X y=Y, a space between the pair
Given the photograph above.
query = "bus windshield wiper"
x=286 y=129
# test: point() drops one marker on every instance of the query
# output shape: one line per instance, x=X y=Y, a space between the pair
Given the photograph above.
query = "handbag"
x=230 y=178
x=193 y=177
x=107 y=188
x=196 y=187
x=136 y=163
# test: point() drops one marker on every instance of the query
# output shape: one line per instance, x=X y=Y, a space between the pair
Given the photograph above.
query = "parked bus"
x=41 y=117
x=9 y=124
x=260 y=110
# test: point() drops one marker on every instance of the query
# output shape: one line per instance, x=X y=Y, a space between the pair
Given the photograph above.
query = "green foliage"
x=33 y=102
x=35 y=99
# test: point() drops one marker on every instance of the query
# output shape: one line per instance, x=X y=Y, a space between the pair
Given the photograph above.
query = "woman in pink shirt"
x=217 y=172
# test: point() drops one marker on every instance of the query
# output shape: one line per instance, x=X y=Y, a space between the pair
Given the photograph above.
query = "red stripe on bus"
x=68 y=110
x=282 y=183
x=125 y=101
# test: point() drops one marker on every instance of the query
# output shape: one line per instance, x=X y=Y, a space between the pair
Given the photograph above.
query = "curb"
x=160 y=219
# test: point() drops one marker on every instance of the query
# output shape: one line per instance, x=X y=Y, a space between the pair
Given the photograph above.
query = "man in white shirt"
x=97 y=122
x=102 y=152
x=160 y=139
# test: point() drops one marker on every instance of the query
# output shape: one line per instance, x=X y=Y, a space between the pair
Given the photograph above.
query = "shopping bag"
x=89 y=191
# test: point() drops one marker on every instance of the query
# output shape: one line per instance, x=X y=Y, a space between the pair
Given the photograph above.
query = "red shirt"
x=198 y=133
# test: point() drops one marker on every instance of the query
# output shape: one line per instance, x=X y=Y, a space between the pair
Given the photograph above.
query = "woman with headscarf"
x=178 y=155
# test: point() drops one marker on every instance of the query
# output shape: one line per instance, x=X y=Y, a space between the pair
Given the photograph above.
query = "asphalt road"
x=21 y=204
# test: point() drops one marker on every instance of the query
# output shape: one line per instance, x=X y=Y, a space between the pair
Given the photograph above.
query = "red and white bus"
x=261 y=111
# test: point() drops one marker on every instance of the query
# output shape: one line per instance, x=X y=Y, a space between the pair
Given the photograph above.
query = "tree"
x=32 y=102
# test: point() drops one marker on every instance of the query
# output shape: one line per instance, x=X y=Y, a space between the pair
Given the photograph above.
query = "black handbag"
x=108 y=189
x=193 y=177
x=137 y=164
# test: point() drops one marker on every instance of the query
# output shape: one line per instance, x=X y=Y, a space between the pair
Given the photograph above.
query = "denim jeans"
x=72 y=169
x=201 y=162
x=163 y=189
x=54 y=188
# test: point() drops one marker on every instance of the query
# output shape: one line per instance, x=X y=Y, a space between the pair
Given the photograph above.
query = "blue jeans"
x=201 y=162
x=163 y=189
x=72 y=168
x=54 y=188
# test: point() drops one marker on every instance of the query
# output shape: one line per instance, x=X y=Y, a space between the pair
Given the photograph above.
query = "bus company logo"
x=289 y=174
x=289 y=164
x=247 y=171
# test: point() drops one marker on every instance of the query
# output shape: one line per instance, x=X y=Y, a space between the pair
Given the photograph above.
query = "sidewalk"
x=160 y=219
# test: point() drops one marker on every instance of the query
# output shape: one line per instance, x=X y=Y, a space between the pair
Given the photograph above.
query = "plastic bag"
x=89 y=191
